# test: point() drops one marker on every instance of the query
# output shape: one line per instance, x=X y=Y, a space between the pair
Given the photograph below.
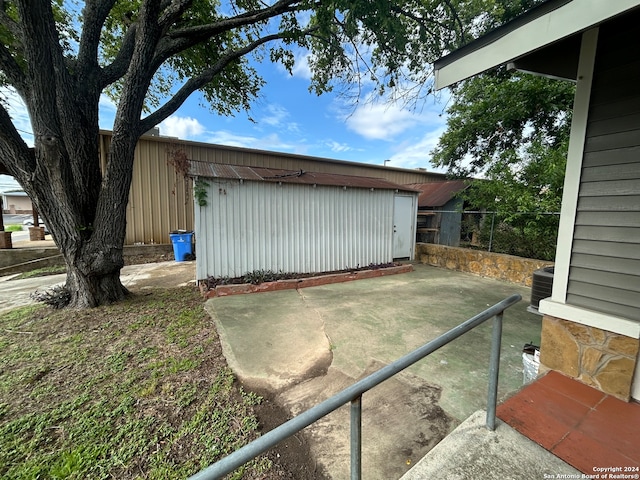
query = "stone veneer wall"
x=596 y=357
x=487 y=264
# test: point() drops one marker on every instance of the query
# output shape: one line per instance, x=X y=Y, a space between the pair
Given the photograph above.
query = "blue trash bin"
x=181 y=245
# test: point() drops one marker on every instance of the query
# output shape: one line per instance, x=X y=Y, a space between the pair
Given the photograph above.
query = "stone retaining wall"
x=18 y=260
x=486 y=264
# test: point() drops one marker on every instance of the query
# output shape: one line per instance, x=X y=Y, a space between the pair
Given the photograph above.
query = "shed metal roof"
x=437 y=194
x=260 y=174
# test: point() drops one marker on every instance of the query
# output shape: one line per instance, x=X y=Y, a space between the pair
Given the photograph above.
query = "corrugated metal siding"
x=604 y=272
x=161 y=201
x=291 y=228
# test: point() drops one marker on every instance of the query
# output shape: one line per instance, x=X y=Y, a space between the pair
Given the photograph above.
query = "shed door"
x=403 y=221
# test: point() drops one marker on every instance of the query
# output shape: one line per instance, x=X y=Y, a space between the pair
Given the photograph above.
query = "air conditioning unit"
x=541 y=287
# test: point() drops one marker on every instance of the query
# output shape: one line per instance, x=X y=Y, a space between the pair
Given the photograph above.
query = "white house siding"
x=291 y=228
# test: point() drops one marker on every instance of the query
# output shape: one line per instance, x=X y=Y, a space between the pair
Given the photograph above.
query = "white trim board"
x=590 y=318
x=569 y=19
x=574 y=165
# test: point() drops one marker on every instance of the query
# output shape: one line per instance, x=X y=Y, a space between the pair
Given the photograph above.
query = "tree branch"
x=14 y=151
x=418 y=19
x=181 y=39
x=200 y=81
x=456 y=17
x=118 y=67
x=95 y=14
x=172 y=11
x=10 y=68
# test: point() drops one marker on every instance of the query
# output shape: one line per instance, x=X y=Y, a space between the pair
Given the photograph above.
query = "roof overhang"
x=545 y=41
x=199 y=168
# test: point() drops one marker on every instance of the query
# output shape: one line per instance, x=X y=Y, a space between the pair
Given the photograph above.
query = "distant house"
x=591 y=323
x=14 y=200
x=440 y=212
x=297 y=221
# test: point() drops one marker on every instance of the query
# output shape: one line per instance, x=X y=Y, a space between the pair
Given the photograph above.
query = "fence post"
x=493 y=219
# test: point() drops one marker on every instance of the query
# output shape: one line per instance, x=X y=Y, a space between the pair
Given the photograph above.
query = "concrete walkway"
x=472 y=452
x=16 y=293
x=307 y=345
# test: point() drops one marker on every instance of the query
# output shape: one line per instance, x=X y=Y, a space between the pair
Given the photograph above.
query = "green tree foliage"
x=513 y=129
x=149 y=56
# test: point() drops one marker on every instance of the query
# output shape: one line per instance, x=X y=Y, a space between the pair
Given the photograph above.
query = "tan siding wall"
x=13 y=203
x=161 y=200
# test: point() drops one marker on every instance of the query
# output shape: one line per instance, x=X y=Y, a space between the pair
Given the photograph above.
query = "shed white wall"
x=290 y=228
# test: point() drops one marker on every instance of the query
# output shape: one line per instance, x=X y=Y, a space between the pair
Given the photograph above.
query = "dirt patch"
x=293 y=455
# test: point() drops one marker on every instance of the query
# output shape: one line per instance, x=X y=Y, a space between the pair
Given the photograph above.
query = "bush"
x=56 y=297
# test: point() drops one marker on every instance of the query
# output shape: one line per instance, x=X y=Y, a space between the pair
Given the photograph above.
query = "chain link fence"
x=524 y=234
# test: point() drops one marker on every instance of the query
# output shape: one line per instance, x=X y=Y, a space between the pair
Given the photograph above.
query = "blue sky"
x=288 y=118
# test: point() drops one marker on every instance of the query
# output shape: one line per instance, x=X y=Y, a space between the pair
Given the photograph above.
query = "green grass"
x=41 y=272
x=13 y=228
x=134 y=390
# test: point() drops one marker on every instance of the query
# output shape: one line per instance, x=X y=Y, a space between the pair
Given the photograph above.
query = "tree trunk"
x=94 y=257
x=89 y=226
x=88 y=291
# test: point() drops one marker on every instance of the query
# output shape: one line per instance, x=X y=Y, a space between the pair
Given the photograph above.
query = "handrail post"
x=356 y=438
x=354 y=393
x=494 y=370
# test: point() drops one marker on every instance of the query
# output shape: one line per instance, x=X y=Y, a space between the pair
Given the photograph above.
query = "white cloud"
x=410 y=154
x=339 y=147
x=380 y=122
x=386 y=121
x=275 y=115
x=267 y=142
x=224 y=137
x=182 y=127
x=301 y=69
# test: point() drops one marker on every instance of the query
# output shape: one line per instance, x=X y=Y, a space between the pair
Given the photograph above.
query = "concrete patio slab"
x=371 y=323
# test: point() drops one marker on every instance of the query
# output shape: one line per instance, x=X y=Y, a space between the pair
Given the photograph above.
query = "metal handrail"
x=353 y=395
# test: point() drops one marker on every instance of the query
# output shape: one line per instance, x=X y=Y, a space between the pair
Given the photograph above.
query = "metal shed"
x=297 y=221
x=440 y=212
